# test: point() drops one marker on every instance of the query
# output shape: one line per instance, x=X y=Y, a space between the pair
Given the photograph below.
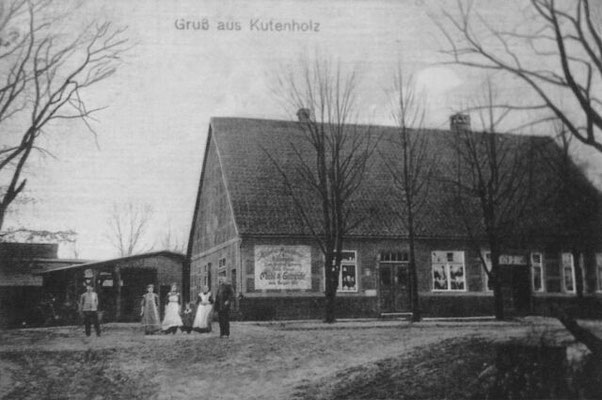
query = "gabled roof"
x=262 y=205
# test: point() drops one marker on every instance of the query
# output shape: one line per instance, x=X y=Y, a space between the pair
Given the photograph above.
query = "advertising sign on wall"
x=282 y=267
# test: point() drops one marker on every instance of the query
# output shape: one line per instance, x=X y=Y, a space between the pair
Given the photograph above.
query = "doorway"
x=134 y=287
x=516 y=288
x=394 y=293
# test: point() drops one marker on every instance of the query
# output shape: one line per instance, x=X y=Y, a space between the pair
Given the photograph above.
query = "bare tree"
x=127 y=226
x=557 y=52
x=329 y=165
x=412 y=174
x=172 y=241
x=43 y=78
x=493 y=188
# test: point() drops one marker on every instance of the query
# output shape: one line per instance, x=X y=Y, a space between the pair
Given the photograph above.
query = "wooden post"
x=117 y=287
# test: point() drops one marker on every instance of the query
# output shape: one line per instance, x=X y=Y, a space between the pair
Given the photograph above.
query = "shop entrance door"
x=516 y=288
x=394 y=293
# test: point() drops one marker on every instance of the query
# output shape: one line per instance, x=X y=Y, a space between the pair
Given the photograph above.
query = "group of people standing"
x=195 y=316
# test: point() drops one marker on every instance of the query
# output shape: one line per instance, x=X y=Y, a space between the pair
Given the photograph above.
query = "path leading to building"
x=259 y=360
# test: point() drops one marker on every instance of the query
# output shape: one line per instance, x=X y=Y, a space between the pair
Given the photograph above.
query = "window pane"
x=568 y=279
x=537 y=279
x=347 y=256
x=385 y=276
x=456 y=277
x=439 y=277
x=348 y=278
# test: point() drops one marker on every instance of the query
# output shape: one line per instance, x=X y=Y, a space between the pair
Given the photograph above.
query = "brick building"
x=246 y=227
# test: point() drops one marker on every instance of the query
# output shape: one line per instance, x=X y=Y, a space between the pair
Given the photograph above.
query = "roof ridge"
x=426 y=129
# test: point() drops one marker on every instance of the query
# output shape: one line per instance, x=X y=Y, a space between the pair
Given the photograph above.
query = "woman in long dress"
x=149 y=311
x=202 y=320
x=172 y=320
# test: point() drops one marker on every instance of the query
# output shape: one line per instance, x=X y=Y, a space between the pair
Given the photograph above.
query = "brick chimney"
x=459 y=122
x=304 y=115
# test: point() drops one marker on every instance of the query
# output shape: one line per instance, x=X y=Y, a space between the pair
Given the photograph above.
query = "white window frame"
x=353 y=264
x=440 y=258
x=599 y=272
x=572 y=267
x=487 y=257
x=535 y=264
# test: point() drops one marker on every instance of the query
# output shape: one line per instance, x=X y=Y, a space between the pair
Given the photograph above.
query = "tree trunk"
x=414 y=299
x=498 y=296
x=117 y=286
x=593 y=343
x=2 y=214
x=331 y=290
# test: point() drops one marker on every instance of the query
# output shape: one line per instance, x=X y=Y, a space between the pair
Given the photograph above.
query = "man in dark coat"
x=223 y=300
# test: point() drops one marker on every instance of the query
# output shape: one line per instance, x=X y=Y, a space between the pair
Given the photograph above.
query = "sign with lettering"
x=282 y=267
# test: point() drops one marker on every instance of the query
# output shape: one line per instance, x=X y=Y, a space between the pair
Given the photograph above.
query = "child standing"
x=187 y=318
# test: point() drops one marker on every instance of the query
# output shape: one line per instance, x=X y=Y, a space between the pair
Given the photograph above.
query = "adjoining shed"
x=120 y=282
x=21 y=292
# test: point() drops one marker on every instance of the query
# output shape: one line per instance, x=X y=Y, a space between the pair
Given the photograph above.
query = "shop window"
x=568 y=272
x=449 y=272
x=537 y=272
x=599 y=270
x=348 y=272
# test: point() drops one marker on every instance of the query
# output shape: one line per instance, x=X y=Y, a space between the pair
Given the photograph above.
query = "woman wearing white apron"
x=202 y=320
x=172 y=320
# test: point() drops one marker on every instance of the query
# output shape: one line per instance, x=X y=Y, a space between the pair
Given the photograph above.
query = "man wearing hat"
x=223 y=300
x=88 y=305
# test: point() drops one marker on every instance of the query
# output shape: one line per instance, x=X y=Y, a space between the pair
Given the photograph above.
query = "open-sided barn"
x=119 y=282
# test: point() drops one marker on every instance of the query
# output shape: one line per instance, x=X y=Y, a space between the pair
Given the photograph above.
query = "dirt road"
x=259 y=361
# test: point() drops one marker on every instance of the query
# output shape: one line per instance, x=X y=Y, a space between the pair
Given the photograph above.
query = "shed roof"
x=99 y=264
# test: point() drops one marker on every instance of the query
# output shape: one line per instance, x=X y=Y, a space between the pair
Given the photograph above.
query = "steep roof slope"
x=249 y=150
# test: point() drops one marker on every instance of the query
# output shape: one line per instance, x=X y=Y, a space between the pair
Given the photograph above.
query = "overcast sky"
x=152 y=134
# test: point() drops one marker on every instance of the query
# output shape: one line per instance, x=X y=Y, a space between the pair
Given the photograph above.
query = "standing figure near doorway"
x=223 y=300
x=150 y=311
x=172 y=320
x=202 y=321
x=88 y=306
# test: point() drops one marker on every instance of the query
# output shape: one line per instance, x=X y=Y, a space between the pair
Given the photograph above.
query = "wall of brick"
x=308 y=303
x=207 y=267
x=296 y=307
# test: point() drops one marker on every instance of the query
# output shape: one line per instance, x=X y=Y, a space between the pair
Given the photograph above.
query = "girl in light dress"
x=172 y=320
x=149 y=311
x=202 y=320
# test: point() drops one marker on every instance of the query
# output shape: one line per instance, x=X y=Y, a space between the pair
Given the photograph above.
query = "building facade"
x=246 y=228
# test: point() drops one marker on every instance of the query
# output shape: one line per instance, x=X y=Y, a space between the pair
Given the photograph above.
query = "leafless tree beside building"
x=493 y=186
x=44 y=77
x=330 y=165
x=556 y=51
x=127 y=227
x=413 y=171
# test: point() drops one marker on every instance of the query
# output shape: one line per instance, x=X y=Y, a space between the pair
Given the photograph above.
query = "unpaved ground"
x=259 y=361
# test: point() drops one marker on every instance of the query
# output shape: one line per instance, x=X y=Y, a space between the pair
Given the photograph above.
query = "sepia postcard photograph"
x=300 y=199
